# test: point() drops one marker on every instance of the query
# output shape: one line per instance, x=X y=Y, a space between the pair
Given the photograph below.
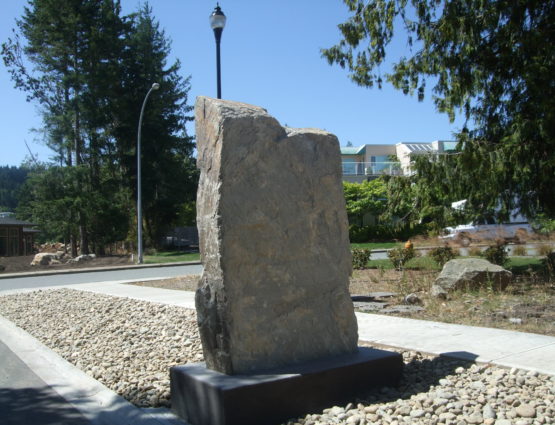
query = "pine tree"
x=169 y=176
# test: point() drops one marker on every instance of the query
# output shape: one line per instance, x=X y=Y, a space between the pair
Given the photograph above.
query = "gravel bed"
x=129 y=345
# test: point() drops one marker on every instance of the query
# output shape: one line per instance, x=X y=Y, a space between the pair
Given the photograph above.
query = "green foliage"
x=169 y=174
x=490 y=61
x=11 y=179
x=368 y=197
x=368 y=201
x=496 y=254
x=442 y=255
x=543 y=225
x=361 y=256
x=384 y=232
x=399 y=257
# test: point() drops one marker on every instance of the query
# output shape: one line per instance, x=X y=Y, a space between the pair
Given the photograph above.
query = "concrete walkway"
x=98 y=405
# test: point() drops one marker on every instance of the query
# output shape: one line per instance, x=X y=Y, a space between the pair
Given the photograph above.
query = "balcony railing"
x=371 y=168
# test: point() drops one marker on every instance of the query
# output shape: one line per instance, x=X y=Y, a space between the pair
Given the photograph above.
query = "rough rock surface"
x=273 y=239
x=470 y=272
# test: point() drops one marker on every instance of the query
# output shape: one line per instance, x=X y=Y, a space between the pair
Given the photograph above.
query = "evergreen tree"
x=492 y=61
x=89 y=70
x=73 y=47
x=11 y=180
x=169 y=176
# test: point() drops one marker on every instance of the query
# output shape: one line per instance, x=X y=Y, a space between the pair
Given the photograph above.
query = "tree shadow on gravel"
x=419 y=375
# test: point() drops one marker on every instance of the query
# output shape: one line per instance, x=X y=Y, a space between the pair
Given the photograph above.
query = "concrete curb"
x=97 y=269
x=92 y=399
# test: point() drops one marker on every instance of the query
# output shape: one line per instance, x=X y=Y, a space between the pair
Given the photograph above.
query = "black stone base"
x=202 y=396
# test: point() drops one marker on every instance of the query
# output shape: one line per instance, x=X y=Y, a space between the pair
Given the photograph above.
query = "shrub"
x=474 y=251
x=401 y=256
x=442 y=254
x=496 y=254
x=544 y=249
x=358 y=234
x=519 y=251
x=361 y=256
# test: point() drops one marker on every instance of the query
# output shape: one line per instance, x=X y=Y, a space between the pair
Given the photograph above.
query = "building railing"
x=371 y=168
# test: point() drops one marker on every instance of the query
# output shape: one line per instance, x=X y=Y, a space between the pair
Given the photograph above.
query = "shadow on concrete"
x=37 y=406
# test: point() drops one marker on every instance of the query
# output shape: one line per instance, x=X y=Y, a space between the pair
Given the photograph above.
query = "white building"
x=370 y=161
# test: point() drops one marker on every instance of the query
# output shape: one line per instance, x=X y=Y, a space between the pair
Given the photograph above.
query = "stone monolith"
x=273 y=239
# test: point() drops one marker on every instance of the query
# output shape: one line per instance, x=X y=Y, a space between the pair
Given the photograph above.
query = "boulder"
x=273 y=240
x=470 y=273
x=43 y=259
x=83 y=257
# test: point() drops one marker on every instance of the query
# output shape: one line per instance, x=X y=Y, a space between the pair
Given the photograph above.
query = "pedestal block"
x=203 y=396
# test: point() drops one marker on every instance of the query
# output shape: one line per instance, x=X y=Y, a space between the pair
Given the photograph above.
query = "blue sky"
x=270 y=58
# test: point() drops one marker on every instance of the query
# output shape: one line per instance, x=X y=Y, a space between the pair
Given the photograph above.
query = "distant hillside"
x=11 y=178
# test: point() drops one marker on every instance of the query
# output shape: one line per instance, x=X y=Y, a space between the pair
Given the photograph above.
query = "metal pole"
x=155 y=86
x=218 y=35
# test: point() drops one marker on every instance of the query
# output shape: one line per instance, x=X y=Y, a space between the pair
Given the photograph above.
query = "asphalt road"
x=98 y=276
x=27 y=400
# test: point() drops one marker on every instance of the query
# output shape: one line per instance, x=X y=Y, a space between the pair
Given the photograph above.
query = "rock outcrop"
x=273 y=239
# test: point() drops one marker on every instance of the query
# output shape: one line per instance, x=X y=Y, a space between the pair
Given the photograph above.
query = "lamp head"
x=155 y=86
x=217 y=18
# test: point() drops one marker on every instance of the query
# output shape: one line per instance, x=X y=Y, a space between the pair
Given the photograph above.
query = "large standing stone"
x=472 y=273
x=273 y=240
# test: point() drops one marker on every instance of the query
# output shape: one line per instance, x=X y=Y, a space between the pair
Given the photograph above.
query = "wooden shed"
x=16 y=237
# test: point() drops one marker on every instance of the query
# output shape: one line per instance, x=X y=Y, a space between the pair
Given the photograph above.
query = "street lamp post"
x=155 y=86
x=217 y=22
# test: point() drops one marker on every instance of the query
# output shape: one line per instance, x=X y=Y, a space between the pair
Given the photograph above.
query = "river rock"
x=463 y=273
x=273 y=240
x=526 y=411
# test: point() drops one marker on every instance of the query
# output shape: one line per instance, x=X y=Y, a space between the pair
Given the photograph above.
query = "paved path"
x=98 y=404
x=37 y=280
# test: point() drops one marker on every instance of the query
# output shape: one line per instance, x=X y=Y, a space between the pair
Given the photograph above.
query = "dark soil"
x=23 y=264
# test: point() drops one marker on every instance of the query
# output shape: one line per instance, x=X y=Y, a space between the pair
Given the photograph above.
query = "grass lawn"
x=377 y=245
x=171 y=257
x=521 y=265
x=418 y=263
